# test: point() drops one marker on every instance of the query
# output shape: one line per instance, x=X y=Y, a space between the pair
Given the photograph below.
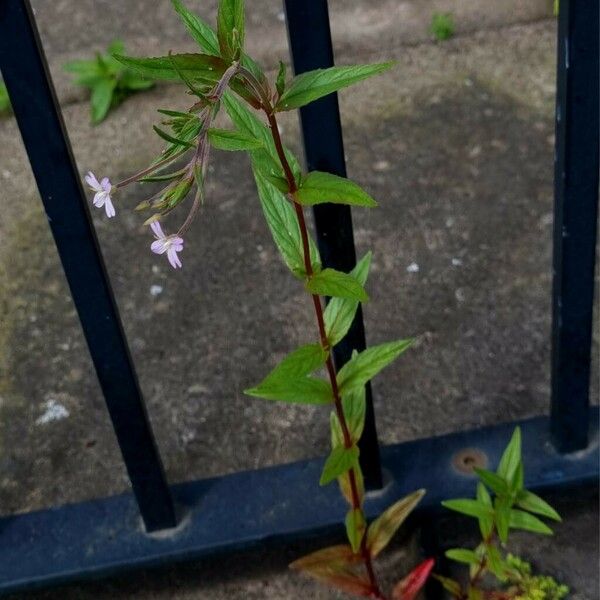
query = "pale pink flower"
x=103 y=189
x=171 y=244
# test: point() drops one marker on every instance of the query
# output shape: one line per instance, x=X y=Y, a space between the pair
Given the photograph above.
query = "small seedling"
x=109 y=82
x=442 y=26
x=502 y=504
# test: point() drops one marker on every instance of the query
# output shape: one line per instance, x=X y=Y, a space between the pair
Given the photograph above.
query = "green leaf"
x=340 y=460
x=280 y=83
x=206 y=37
x=502 y=517
x=132 y=82
x=102 y=96
x=299 y=363
x=450 y=585
x=333 y=556
x=463 y=556
x=495 y=563
x=330 y=282
x=521 y=520
x=511 y=457
x=518 y=480
x=202 y=67
x=466 y=506
x=307 y=390
x=355 y=527
x=339 y=313
x=230 y=28
x=532 y=503
x=226 y=139
x=172 y=140
x=493 y=481
x=366 y=364
x=308 y=87
x=346 y=486
x=319 y=188
x=282 y=222
x=247 y=122
x=486 y=524
x=354 y=404
x=202 y=33
x=382 y=529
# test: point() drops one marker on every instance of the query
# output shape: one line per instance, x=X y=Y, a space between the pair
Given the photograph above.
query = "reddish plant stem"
x=293 y=188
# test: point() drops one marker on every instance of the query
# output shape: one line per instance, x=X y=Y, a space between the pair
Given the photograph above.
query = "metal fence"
x=198 y=518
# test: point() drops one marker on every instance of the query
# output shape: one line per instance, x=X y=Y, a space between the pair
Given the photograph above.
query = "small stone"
x=456 y=262
x=54 y=411
x=413 y=268
x=381 y=165
x=197 y=388
x=156 y=290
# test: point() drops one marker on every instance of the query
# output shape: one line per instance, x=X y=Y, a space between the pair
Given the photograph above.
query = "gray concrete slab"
x=456 y=143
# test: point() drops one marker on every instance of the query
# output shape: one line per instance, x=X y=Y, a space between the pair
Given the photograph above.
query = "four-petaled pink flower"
x=103 y=190
x=171 y=244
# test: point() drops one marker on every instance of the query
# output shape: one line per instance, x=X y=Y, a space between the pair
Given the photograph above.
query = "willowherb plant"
x=223 y=76
x=511 y=507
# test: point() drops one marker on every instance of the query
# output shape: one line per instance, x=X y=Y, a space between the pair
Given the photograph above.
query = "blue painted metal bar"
x=25 y=73
x=311 y=48
x=575 y=219
x=238 y=511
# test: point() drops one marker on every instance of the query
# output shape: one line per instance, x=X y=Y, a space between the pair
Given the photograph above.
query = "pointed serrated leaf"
x=339 y=313
x=346 y=486
x=226 y=139
x=282 y=222
x=201 y=67
x=307 y=390
x=280 y=82
x=354 y=404
x=463 y=555
x=450 y=585
x=493 y=481
x=298 y=363
x=342 y=579
x=486 y=523
x=202 y=33
x=366 y=364
x=382 y=529
x=101 y=99
x=533 y=503
x=312 y=85
x=247 y=122
x=410 y=586
x=355 y=527
x=511 y=457
x=466 y=506
x=520 y=519
x=230 y=28
x=330 y=282
x=341 y=555
x=320 y=188
x=340 y=461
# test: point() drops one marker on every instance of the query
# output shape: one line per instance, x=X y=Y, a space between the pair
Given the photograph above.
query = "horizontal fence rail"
x=108 y=535
x=226 y=514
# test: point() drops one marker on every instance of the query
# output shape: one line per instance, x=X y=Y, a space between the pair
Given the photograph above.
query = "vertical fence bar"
x=311 y=48
x=575 y=220
x=25 y=73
